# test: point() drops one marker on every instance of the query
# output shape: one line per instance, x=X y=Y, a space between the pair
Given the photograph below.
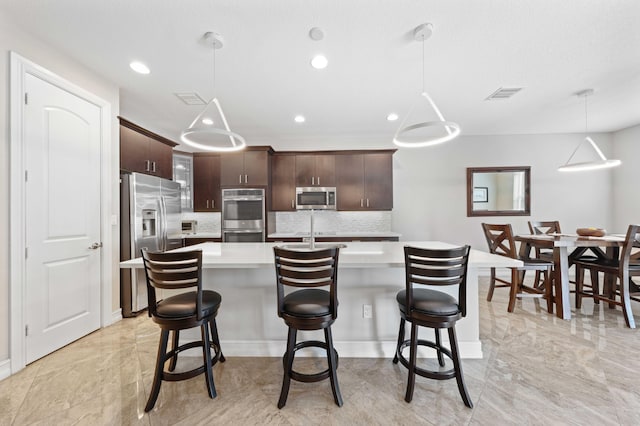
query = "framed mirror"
x=498 y=191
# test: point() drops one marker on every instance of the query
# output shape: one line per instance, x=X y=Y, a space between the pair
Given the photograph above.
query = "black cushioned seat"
x=429 y=302
x=181 y=271
x=312 y=302
x=184 y=305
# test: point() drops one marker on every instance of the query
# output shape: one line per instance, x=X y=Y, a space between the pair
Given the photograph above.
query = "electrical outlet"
x=367 y=311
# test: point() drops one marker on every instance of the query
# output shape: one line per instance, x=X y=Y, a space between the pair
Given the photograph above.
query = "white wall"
x=430 y=186
x=13 y=38
x=626 y=197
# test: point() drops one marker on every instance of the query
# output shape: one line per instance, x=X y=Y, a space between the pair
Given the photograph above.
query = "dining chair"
x=541 y=227
x=195 y=308
x=619 y=288
x=421 y=304
x=307 y=297
x=500 y=241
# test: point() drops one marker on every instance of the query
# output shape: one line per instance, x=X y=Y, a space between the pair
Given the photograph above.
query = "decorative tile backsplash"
x=333 y=221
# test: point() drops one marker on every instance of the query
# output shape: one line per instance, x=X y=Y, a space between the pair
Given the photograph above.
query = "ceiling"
x=551 y=48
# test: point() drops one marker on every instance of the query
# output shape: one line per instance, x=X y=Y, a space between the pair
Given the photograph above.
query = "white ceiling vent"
x=503 y=93
x=190 y=98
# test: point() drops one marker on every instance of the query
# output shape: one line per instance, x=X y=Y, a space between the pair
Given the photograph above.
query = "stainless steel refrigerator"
x=150 y=217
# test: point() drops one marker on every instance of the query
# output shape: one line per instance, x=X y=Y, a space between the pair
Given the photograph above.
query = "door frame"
x=19 y=68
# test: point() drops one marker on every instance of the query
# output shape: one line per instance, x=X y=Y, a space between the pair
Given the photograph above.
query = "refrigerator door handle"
x=163 y=215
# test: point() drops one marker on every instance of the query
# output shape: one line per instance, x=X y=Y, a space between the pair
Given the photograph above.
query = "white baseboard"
x=5 y=369
x=116 y=316
x=366 y=349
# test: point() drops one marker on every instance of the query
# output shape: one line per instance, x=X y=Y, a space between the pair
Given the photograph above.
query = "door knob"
x=95 y=246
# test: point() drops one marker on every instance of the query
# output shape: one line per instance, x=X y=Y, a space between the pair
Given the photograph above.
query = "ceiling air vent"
x=503 y=93
x=190 y=98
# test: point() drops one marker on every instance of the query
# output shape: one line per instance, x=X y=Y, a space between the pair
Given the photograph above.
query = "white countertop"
x=382 y=254
x=321 y=234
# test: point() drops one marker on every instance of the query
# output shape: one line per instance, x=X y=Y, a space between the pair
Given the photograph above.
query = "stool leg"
x=400 y=340
x=411 y=380
x=439 y=345
x=174 y=346
x=288 y=365
x=458 y=367
x=513 y=291
x=206 y=353
x=548 y=290
x=579 y=286
x=157 y=377
x=332 y=361
x=214 y=336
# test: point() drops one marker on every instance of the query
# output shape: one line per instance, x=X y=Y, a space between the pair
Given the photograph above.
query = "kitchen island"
x=369 y=273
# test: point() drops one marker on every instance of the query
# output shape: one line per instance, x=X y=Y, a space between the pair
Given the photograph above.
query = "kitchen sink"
x=307 y=247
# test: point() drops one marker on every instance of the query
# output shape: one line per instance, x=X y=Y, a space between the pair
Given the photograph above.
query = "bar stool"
x=433 y=309
x=310 y=308
x=186 y=310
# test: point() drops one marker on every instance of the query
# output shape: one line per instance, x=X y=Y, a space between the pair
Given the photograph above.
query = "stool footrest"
x=304 y=377
x=183 y=375
x=431 y=374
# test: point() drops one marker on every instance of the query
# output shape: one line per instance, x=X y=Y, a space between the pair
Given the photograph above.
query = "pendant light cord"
x=214 y=71
x=423 y=86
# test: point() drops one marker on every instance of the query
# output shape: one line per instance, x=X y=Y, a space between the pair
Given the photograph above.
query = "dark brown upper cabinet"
x=246 y=168
x=206 y=183
x=365 y=181
x=143 y=151
x=315 y=170
x=283 y=182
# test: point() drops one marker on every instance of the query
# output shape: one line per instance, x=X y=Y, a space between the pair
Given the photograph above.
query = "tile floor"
x=537 y=369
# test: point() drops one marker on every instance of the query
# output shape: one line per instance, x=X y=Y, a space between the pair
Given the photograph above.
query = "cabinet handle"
x=147 y=165
x=153 y=166
x=313 y=180
x=213 y=204
x=239 y=178
x=367 y=202
x=318 y=180
x=292 y=206
x=207 y=203
x=245 y=179
x=361 y=202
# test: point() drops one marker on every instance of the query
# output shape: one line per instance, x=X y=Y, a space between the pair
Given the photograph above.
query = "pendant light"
x=438 y=131
x=210 y=130
x=603 y=163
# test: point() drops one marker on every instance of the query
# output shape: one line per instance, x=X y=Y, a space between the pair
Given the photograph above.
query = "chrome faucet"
x=312 y=238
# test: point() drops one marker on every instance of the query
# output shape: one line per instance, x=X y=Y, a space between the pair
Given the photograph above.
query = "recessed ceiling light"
x=139 y=67
x=299 y=119
x=392 y=117
x=207 y=121
x=319 y=62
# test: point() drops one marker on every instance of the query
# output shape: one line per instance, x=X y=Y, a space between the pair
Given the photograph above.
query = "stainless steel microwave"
x=315 y=198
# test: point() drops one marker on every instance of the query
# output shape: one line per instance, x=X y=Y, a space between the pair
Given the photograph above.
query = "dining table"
x=565 y=248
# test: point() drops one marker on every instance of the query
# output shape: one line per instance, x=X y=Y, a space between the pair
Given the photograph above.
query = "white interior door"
x=62 y=217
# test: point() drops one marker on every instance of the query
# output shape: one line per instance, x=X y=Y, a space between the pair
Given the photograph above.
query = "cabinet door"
x=206 y=183
x=325 y=170
x=232 y=169
x=378 y=181
x=256 y=168
x=315 y=170
x=133 y=151
x=305 y=169
x=283 y=182
x=350 y=182
x=161 y=157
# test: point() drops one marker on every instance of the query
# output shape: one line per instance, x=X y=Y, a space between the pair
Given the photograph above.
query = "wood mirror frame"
x=484 y=192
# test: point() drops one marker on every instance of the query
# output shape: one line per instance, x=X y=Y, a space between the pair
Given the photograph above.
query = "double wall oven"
x=243 y=215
